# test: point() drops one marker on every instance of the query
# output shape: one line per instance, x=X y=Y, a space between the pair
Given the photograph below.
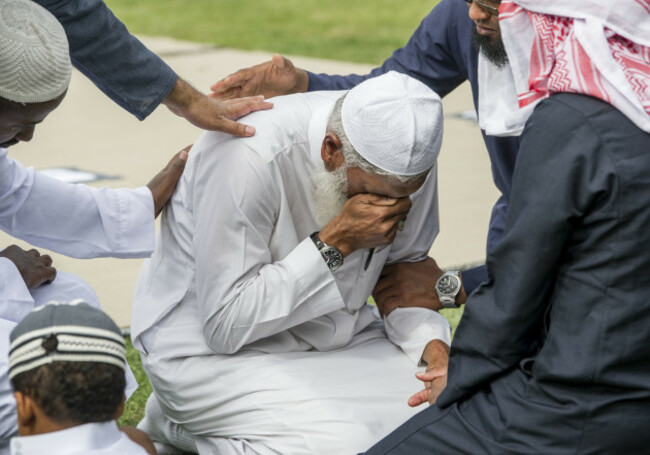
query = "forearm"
x=278 y=296
x=181 y=96
x=75 y=220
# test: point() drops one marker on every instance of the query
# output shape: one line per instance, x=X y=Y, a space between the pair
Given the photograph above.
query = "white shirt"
x=75 y=220
x=89 y=439
x=234 y=248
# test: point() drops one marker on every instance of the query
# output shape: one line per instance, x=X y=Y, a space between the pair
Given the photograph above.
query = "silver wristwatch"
x=447 y=287
x=332 y=256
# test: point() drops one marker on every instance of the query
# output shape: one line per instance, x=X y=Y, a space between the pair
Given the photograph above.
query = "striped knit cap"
x=61 y=332
x=34 y=58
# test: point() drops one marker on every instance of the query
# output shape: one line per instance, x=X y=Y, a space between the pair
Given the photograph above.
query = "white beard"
x=329 y=194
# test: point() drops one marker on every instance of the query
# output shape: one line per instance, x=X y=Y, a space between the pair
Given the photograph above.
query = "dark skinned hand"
x=213 y=114
x=436 y=356
x=366 y=221
x=163 y=184
x=410 y=284
x=34 y=268
x=273 y=78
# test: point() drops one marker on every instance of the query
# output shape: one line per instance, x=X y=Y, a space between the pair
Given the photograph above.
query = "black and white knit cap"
x=65 y=332
x=34 y=57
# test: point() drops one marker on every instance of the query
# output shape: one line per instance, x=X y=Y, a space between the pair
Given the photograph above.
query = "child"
x=66 y=366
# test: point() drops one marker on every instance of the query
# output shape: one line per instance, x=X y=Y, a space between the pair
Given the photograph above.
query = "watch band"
x=331 y=255
x=448 y=300
x=317 y=241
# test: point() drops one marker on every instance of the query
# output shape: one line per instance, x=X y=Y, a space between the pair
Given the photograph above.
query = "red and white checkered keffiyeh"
x=594 y=47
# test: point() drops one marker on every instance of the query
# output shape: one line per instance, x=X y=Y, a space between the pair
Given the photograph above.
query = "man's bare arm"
x=410 y=284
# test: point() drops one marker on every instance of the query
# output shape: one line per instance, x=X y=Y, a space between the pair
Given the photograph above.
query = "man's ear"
x=120 y=410
x=26 y=413
x=330 y=151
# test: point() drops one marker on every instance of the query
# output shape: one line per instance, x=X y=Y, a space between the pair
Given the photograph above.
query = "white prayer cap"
x=394 y=122
x=34 y=58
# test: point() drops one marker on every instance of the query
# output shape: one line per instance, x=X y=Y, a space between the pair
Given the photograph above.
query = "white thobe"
x=89 y=439
x=75 y=220
x=236 y=302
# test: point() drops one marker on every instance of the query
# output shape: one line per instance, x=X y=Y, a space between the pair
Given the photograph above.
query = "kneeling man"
x=251 y=315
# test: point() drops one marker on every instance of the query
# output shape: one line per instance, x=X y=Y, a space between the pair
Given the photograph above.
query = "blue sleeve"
x=473 y=277
x=435 y=54
x=102 y=48
x=562 y=176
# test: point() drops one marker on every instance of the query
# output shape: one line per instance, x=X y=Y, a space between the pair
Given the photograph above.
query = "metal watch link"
x=447 y=287
x=332 y=255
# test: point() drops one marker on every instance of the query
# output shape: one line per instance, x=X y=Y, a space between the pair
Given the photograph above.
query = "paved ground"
x=91 y=133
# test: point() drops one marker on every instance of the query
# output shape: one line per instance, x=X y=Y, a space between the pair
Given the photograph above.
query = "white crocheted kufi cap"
x=394 y=122
x=34 y=58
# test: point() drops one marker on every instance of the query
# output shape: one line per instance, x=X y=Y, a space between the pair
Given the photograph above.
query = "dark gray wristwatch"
x=447 y=287
x=332 y=256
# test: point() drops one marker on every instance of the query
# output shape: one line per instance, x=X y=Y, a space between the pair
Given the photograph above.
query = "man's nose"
x=26 y=134
x=476 y=13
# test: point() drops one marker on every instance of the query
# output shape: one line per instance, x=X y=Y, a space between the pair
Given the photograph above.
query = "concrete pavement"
x=91 y=133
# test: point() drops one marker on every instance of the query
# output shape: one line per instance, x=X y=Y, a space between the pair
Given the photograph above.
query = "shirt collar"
x=79 y=439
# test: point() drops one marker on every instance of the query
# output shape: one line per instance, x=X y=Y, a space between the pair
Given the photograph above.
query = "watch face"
x=333 y=257
x=448 y=284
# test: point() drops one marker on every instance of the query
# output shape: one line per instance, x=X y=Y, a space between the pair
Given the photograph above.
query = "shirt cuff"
x=318 y=289
x=16 y=301
x=412 y=328
x=132 y=220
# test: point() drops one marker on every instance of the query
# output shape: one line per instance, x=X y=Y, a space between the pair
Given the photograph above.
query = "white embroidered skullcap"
x=62 y=332
x=394 y=122
x=34 y=58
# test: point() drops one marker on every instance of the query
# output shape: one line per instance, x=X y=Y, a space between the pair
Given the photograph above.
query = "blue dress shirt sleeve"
x=102 y=48
x=435 y=54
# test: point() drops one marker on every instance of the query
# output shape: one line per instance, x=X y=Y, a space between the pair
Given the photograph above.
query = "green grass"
x=134 y=409
x=354 y=31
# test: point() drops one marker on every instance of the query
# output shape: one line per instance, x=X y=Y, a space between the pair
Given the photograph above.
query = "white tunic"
x=235 y=283
x=89 y=439
x=75 y=220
